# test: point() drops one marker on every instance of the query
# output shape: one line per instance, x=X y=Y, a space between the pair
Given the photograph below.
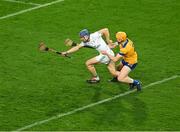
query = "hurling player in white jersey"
x=95 y=41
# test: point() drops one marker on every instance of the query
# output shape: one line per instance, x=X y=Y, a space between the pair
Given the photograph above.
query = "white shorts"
x=104 y=58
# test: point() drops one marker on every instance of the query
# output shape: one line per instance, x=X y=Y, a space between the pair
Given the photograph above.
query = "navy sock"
x=135 y=82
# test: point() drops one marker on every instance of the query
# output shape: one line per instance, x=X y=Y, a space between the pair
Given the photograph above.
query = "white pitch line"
x=30 y=9
x=93 y=104
x=21 y=2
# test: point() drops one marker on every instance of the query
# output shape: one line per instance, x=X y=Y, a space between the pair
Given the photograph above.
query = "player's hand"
x=110 y=42
x=104 y=52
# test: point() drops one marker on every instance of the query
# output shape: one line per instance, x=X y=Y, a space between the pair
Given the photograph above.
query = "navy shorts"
x=131 y=66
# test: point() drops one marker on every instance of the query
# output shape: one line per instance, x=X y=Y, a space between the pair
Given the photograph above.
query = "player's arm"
x=72 y=50
x=113 y=45
x=106 y=34
x=113 y=58
x=116 y=58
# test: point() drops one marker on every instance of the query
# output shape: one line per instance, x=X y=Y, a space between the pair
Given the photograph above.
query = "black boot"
x=114 y=79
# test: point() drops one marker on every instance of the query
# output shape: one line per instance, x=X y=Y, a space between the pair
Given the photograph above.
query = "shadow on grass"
x=127 y=113
x=110 y=90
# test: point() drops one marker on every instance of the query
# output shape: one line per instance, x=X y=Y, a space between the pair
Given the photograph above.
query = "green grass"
x=36 y=86
x=7 y=7
x=145 y=111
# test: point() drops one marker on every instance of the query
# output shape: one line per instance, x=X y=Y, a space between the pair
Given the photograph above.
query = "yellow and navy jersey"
x=128 y=52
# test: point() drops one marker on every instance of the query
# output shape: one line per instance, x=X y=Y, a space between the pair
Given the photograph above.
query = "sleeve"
x=123 y=51
x=96 y=35
x=82 y=44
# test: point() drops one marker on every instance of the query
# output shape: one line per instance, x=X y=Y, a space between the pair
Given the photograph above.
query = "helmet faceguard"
x=84 y=34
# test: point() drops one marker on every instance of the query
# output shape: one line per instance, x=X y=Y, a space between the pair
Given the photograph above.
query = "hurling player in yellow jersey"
x=128 y=62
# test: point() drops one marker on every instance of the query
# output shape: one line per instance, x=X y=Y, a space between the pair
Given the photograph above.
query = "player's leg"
x=118 y=68
x=90 y=66
x=112 y=69
x=98 y=59
x=123 y=77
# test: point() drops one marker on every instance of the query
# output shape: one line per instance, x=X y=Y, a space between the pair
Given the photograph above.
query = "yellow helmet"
x=121 y=36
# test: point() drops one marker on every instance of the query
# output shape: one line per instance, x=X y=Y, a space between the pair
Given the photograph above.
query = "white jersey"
x=97 y=42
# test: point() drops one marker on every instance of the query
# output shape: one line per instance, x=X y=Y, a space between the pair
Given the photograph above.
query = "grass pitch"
x=36 y=86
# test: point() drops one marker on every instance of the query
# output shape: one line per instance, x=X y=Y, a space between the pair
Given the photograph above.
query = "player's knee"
x=88 y=64
x=120 y=78
x=113 y=73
